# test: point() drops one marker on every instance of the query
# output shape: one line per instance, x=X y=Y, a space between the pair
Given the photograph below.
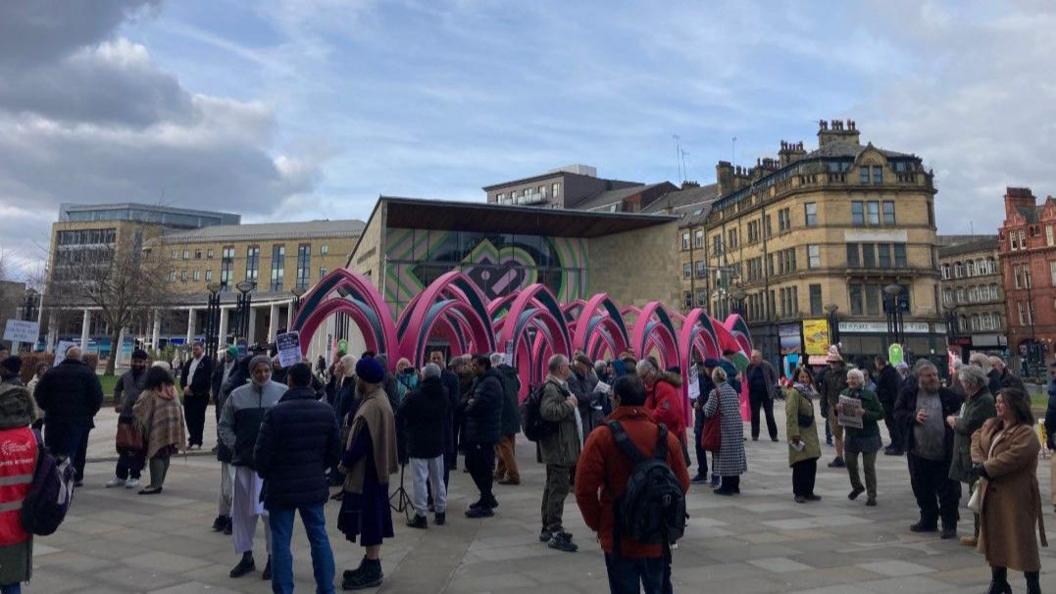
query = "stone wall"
x=637 y=266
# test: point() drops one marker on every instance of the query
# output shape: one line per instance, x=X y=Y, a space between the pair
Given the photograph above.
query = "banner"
x=22 y=331
x=816 y=339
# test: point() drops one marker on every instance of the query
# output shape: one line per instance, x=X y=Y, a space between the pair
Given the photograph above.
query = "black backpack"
x=532 y=422
x=50 y=495
x=652 y=510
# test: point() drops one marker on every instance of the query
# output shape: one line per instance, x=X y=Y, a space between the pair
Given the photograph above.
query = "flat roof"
x=67 y=207
x=265 y=231
x=420 y=213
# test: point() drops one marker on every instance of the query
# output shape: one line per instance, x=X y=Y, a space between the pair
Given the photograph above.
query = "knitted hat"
x=834 y=355
x=140 y=354
x=711 y=363
x=259 y=360
x=370 y=370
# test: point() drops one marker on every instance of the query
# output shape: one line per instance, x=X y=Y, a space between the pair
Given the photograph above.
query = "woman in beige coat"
x=1005 y=455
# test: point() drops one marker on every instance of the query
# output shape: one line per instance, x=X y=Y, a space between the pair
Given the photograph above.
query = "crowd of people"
x=286 y=437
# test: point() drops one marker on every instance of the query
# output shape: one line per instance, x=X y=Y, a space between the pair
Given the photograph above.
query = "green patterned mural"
x=499 y=263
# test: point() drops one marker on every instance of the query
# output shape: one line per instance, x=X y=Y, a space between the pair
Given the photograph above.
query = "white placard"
x=61 y=348
x=694 y=383
x=289 y=347
x=22 y=331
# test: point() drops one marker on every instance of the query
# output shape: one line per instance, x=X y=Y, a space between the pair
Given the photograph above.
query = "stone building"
x=972 y=295
x=819 y=235
x=1027 y=256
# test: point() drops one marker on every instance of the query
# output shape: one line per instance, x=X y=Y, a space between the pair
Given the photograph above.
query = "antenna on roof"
x=685 y=172
x=733 y=150
x=678 y=155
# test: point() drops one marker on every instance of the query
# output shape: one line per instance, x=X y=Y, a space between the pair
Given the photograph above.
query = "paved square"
x=116 y=541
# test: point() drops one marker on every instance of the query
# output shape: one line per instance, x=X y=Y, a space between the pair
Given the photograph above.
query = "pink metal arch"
x=535 y=307
x=451 y=299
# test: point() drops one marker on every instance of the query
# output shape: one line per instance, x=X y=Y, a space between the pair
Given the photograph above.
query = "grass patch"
x=108 y=382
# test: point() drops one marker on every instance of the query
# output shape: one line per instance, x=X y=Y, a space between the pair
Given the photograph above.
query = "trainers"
x=479 y=512
x=132 y=483
x=700 y=478
x=492 y=503
x=922 y=527
x=562 y=541
x=418 y=522
x=545 y=535
x=948 y=532
x=115 y=482
x=440 y=518
x=837 y=462
x=244 y=566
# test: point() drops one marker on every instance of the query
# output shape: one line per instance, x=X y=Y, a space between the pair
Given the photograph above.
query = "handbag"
x=975 y=502
x=711 y=432
x=129 y=437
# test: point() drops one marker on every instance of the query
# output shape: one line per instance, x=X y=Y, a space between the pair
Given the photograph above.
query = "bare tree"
x=121 y=279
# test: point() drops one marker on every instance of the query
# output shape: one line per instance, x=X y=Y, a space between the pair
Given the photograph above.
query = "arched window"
x=945 y=271
x=970 y=268
x=991 y=266
x=947 y=296
x=975 y=322
x=993 y=292
x=960 y=295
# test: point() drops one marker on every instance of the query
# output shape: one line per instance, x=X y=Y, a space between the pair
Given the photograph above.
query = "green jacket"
x=560 y=448
x=974 y=412
x=795 y=404
x=874 y=412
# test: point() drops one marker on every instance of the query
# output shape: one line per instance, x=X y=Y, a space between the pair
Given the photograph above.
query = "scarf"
x=374 y=413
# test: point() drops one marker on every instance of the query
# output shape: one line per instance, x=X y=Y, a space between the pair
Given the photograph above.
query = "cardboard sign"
x=289 y=347
x=22 y=331
x=61 y=348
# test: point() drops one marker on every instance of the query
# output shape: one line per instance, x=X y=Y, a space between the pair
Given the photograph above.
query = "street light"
x=212 y=319
x=834 y=322
x=242 y=306
x=738 y=295
x=29 y=310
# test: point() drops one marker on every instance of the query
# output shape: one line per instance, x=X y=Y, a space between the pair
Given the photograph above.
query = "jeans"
x=281 y=521
x=937 y=495
x=803 y=475
x=69 y=438
x=428 y=472
x=15 y=588
x=631 y=576
x=480 y=460
x=765 y=402
x=554 y=494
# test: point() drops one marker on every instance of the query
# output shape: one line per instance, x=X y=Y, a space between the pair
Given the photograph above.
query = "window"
x=768 y=229
x=810 y=213
x=555 y=189
x=702 y=269
x=227 y=263
x=969 y=268
x=716 y=241
x=209 y=254
x=698 y=239
x=855 y=291
x=945 y=269
x=253 y=263
x=174 y=254
x=863 y=175
x=857 y=213
x=813 y=256
x=900 y=255
x=889 y=212
x=883 y=255
x=542 y=191
x=304 y=261
x=685 y=241
x=753 y=231
x=702 y=298
x=172 y=276
x=197 y=276
x=1022 y=319
x=1013 y=241
x=878 y=175
x=868 y=255
x=815 y=300
x=186 y=254
x=872 y=212
x=687 y=299
x=325 y=249
x=852 y=256
x=960 y=296
x=198 y=254
x=183 y=276
x=872 y=299
x=731 y=241
x=1048 y=235
x=278 y=266
x=947 y=297
x=687 y=270
x=770 y=265
x=784 y=220
x=209 y=275
x=322 y=272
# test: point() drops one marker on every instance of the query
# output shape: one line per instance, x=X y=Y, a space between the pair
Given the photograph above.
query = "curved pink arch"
x=453 y=296
x=586 y=331
x=534 y=305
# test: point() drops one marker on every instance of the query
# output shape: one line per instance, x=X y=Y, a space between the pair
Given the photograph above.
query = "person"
x=559 y=451
x=1001 y=377
x=297 y=442
x=663 y=399
x=369 y=459
x=130 y=458
x=221 y=374
x=978 y=407
x=762 y=381
x=38 y=373
x=454 y=395
x=801 y=426
x=866 y=440
x=1005 y=455
x=732 y=375
x=582 y=384
x=159 y=416
x=601 y=478
x=833 y=383
x=921 y=410
x=240 y=422
x=422 y=417
x=482 y=414
x=346 y=401
x=393 y=389
x=706 y=387
x=506 y=472
x=730 y=462
x=18 y=463
x=11 y=370
x=70 y=395
x=887 y=381
x=196 y=380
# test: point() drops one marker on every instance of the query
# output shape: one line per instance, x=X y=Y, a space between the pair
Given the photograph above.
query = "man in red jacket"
x=601 y=479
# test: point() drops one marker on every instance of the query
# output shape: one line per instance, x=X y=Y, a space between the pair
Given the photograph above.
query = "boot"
x=368 y=575
x=999 y=581
x=244 y=566
x=1033 y=587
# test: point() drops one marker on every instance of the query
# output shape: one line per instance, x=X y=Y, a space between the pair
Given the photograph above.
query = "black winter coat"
x=511 y=411
x=454 y=395
x=70 y=391
x=887 y=386
x=297 y=443
x=483 y=410
x=905 y=414
x=203 y=375
x=422 y=418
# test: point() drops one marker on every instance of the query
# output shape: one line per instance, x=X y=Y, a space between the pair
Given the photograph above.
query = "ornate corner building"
x=973 y=297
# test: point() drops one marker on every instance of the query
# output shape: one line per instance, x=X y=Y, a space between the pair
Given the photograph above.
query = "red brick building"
x=1027 y=249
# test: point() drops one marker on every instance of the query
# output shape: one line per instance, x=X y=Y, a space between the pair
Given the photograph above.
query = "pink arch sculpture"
x=453 y=305
x=342 y=291
x=600 y=326
x=534 y=307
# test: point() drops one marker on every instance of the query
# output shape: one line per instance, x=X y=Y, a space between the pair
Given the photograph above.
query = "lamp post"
x=834 y=322
x=242 y=305
x=212 y=320
x=893 y=304
x=298 y=292
x=29 y=310
x=738 y=296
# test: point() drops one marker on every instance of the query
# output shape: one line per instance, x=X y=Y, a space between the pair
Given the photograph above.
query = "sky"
x=288 y=110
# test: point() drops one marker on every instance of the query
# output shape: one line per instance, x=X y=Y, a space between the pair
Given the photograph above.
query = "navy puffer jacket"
x=298 y=442
x=483 y=411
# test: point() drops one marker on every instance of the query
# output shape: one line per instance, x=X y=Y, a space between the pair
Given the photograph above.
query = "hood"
x=16 y=406
x=672 y=378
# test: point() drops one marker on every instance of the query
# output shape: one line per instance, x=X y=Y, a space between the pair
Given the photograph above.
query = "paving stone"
x=895 y=568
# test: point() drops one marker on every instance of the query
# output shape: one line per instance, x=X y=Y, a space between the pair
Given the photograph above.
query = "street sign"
x=22 y=331
x=289 y=347
x=895 y=354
